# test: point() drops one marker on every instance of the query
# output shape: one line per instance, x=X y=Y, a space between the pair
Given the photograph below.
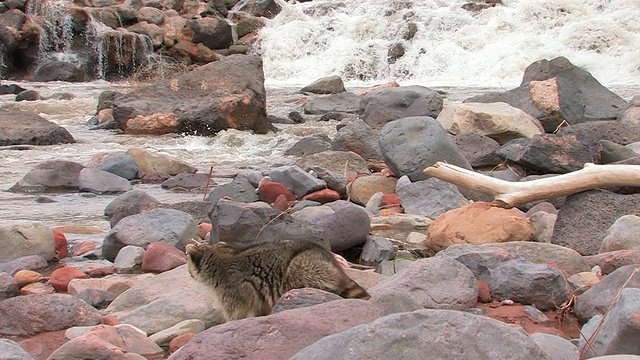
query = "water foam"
x=451 y=46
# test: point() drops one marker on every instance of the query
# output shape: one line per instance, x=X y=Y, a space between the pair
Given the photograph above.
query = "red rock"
x=61 y=244
x=390 y=200
x=43 y=345
x=26 y=277
x=281 y=203
x=203 y=229
x=179 y=341
x=110 y=320
x=270 y=190
x=323 y=196
x=37 y=288
x=161 y=257
x=484 y=292
x=60 y=278
x=83 y=248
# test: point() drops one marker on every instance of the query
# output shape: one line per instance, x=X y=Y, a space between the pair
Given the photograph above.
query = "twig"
x=206 y=187
x=269 y=223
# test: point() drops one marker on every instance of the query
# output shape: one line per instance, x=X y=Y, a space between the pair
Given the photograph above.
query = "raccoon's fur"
x=249 y=281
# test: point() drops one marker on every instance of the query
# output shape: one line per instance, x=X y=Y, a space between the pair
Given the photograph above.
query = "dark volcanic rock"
x=59 y=71
x=550 y=153
x=326 y=85
x=28 y=128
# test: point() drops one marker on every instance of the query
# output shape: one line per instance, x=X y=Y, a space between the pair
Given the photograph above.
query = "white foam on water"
x=452 y=46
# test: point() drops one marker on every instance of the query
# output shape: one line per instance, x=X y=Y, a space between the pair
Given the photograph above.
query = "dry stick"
x=269 y=223
x=615 y=299
x=206 y=187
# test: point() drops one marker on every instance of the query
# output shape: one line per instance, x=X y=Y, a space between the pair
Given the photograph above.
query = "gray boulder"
x=8 y=287
x=188 y=181
x=130 y=203
x=50 y=176
x=379 y=107
x=310 y=145
x=345 y=102
x=358 y=137
x=556 y=153
x=29 y=128
x=427 y=334
x=102 y=182
x=10 y=350
x=345 y=227
x=631 y=114
x=26 y=239
x=413 y=143
x=430 y=198
x=376 y=249
x=396 y=300
x=340 y=163
x=170 y=226
x=300 y=182
x=122 y=165
x=326 y=85
x=624 y=234
x=555 y=347
x=436 y=283
x=59 y=71
x=478 y=149
x=30 y=262
x=239 y=189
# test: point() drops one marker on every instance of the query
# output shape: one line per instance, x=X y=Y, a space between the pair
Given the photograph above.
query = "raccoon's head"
x=195 y=254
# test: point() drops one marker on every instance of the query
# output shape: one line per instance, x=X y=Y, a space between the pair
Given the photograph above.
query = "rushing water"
x=453 y=50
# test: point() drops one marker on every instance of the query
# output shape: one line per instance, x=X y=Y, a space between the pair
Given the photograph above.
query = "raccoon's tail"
x=355 y=291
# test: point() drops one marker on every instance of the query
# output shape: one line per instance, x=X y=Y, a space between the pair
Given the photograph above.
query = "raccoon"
x=249 y=281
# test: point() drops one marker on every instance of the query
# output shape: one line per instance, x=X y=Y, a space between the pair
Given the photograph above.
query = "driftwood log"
x=509 y=194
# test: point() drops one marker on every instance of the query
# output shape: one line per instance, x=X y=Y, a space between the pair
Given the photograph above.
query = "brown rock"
x=611 y=261
x=110 y=320
x=179 y=341
x=155 y=178
x=60 y=278
x=203 y=230
x=390 y=200
x=161 y=257
x=281 y=203
x=37 y=288
x=154 y=124
x=478 y=223
x=26 y=277
x=323 y=196
x=84 y=247
x=484 y=292
x=270 y=190
x=61 y=244
x=363 y=187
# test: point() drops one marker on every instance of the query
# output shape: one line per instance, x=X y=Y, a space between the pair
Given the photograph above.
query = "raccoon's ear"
x=194 y=253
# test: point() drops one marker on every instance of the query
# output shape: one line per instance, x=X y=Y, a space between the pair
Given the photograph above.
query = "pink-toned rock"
x=363 y=187
x=61 y=244
x=110 y=320
x=281 y=203
x=287 y=332
x=37 y=288
x=109 y=342
x=390 y=200
x=100 y=270
x=613 y=260
x=43 y=345
x=323 y=196
x=179 y=341
x=154 y=124
x=270 y=190
x=155 y=178
x=115 y=284
x=161 y=257
x=60 y=278
x=84 y=247
x=203 y=229
x=484 y=292
x=26 y=277
x=478 y=223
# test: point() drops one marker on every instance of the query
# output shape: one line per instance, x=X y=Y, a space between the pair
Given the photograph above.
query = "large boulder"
x=150 y=162
x=344 y=102
x=212 y=32
x=102 y=182
x=10 y=350
x=624 y=234
x=326 y=85
x=427 y=334
x=26 y=239
x=166 y=225
x=431 y=198
x=59 y=71
x=358 y=137
x=556 y=90
x=28 y=128
x=50 y=176
x=379 y=107
x=236 y=99
x=411 y=144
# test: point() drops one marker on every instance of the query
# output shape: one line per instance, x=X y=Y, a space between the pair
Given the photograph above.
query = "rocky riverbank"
x=449 y=273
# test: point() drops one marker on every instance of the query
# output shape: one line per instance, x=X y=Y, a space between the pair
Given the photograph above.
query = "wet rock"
x=61 y=244
x=149 y=162
x=300 y=298
x=28 y=95
x=99 y=299
x=345 y=102
x=153 y=306
x=105 y=100
x=285 y=329
x=239 y=189
x=10 y=350
x=61 y=277
x=119 y=164
x=59 y=71
x=436 y=283
x=33 y=314
x=613 y=260
x=631 y=114
x=376 y=249
x=478 y=149
x=499 y=121
x=363 y=187
x=160 y=257
x=585 y=218
x=477 y=257
x=430 y=198
x=326 y=85
x=188 y=181
x=413 y=143
x=26 y=239
x=310 y=145
x=50 y=176
x=102 y=182
x=173 y=227
x=358 y=137
x=115 y=284
x=31 y=262
x=260 y=8
x=460 y=226
x=296 y=179
x=338 y=163
x=380 y=107
x=474 y=336
x=8 y=286
x=155 y=178
x=618 y=331
x=28 y=128
x=598 y=298
x=164 y=337
x=555 y=347
x=130 y=203
x=109 y=342
x=624 y=234
x=129 y=259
